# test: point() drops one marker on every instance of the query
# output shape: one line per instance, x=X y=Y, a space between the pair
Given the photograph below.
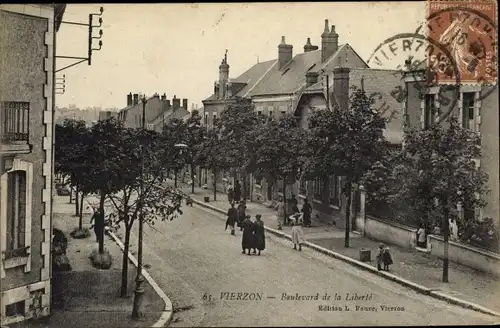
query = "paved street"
x=193 y=256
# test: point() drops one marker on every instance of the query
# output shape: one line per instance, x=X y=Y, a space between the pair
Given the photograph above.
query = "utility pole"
x=139 y=291
x=90 y=40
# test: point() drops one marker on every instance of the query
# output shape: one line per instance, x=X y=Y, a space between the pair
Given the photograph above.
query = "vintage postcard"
x=249 y=164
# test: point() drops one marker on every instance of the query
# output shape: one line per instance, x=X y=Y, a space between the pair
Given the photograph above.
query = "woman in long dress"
x=297 y=233
x=259 y=233
x=247 y=240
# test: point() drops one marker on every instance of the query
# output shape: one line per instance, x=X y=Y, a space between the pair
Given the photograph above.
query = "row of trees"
x=425 y=179
x=124 y=167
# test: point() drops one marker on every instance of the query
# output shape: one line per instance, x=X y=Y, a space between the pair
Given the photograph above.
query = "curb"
x=166 y=315
x=419 y=288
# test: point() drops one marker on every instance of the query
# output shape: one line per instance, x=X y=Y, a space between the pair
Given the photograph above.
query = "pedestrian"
x=294 y=204
x=307 y=210
x=297 y=233
x=387 y=258
x=259 y=233
x=248 y=238
x=241 y=214
x=280 y=207
x=421 y=236
x=453 y=228
x=378 y=257
x=98 y=224
x=232 y=217
x=230 y=193
x=237 y=191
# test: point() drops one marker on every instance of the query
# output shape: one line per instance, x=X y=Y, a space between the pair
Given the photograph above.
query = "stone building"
x=476 y=107
x=274 y=87
x=27 y=40
x=159 y=110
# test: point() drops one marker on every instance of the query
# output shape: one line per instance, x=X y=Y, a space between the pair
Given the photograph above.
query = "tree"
x=440 y=161
x=281 y=149
x=171 y=157
x=72 y=147
x=210 y=154
x=346 y=142
x=237 y=122
x=193 y=136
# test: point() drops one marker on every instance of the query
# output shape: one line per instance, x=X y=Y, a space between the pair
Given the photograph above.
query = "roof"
x=248 y=79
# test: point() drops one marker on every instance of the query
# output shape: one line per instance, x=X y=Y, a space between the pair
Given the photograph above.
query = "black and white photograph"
x=251 y=164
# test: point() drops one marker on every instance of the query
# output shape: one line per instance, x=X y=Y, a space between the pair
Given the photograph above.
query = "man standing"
x=307 y=210
x=232 y=216
x=237 y=191
x=98 y=225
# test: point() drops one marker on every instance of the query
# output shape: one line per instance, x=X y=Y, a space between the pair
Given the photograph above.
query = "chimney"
x=329 y=42
x=284 y=53
x=223 y=76
x=185 y=103
x=309 y=47
x=341 y=86
x=164 y=97
x=136 y=99
x=311 y=78
x=176 y=102
x=129 y=99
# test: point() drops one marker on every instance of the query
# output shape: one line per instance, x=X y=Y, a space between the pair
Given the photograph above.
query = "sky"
x=177 y=48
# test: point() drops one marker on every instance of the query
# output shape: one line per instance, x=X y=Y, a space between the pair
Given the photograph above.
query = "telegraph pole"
x=91 y=28
x=139 y=291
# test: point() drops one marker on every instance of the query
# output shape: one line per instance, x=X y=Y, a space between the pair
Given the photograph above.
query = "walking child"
x=387 y=258
x=297 y=233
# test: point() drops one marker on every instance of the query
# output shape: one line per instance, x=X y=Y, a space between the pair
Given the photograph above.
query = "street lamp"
x=139 y=279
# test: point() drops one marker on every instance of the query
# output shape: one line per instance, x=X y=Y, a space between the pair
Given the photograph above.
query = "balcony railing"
x=15 y=121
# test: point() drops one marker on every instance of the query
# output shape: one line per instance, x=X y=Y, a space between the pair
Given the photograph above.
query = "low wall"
x=470 y=256
x=389 y=232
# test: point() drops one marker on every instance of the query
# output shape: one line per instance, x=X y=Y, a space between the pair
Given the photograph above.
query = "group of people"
x=253 y=236
x=234 y=194
x=292 y=209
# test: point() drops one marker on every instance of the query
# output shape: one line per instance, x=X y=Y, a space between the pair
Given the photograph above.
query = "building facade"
x=26 y=165
x=159 y=110
x=476 y=107
x=275 y=87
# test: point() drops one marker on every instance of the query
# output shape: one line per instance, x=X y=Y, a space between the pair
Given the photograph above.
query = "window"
x=259 y=112
x=16 y=210
x=283 y=113
x=318 y=189
x=15 y=120
x=15 y=309
x=213 y=120
x=334 y=190
x=429 y=110
x=468 y=111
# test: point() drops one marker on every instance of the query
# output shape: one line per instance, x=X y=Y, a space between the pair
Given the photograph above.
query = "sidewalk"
x=420 y=268
x=91 y=296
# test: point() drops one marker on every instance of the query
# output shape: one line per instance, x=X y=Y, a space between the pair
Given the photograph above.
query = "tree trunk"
x=101 y=230
x=215 y=184
x=124 y=285
x=199 y=177
x=244 y=193
x=348 y=212
x=446 y=234
x=77 y=209
x=192 y=178
x=284 y=199
x=175 y=178
x=80 y=221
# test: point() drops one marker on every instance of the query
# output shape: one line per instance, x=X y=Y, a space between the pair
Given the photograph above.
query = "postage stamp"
x=468 y=30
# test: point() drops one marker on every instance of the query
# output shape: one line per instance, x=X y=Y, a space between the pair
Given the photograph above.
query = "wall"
x=466 y=255
x=490 y=153
x=27 y=75
x=390 y=232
